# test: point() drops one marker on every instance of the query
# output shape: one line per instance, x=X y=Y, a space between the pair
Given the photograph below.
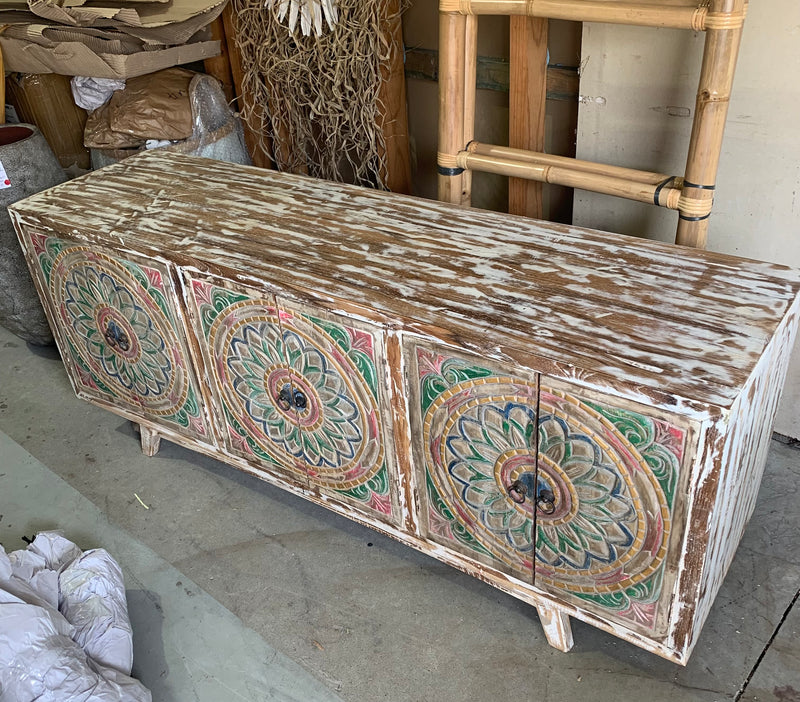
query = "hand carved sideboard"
x=577 y=418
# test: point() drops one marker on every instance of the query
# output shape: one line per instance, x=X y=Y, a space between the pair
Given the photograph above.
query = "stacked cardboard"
x=106 y=39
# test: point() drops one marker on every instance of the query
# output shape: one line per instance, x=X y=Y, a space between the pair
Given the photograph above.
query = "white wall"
x=638 y=89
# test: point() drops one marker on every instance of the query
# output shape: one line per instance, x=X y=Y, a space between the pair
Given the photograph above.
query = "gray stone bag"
x=28 y=167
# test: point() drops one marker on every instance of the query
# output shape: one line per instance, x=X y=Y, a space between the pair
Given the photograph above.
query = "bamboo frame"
x=692 y=195
x=458 y=46
x=643 y=186
x=711 y=110
x=678 y=14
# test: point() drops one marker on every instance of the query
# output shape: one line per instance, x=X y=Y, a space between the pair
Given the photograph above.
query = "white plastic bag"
x=64 y=627
x=91 y=93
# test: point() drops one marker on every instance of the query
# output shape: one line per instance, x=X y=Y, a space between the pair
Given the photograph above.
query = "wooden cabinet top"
x=675 y=327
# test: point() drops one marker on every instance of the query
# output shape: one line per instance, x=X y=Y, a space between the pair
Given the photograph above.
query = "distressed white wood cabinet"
x=577 y=418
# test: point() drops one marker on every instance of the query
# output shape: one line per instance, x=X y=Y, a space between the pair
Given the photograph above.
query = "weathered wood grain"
x=730 y=486
x=689 y=344
x=602 y=304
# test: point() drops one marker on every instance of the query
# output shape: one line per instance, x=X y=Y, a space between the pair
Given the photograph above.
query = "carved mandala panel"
x=574 y=494
x=299 y=392
x=614 y=474
x=120 y=332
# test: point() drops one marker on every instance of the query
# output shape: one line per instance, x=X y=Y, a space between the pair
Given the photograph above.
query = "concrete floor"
x=239 y=590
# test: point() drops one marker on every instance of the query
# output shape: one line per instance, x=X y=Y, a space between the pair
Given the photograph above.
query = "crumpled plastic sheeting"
x=91 y=93
x=64 y=627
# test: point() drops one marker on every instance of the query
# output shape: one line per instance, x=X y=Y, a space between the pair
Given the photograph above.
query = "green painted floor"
x=238 y=590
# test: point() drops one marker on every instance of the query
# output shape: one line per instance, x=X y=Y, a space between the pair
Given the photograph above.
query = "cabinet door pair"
x=294 y=393
x=297 y=392
x=574 y=494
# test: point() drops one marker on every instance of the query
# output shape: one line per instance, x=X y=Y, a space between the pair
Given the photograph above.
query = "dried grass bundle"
x=316 y=97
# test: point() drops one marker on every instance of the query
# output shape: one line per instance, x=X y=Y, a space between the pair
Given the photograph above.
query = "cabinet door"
x=300 y=393
x=338 y=373
x=117 y=328
x=476 y=444
x=243 y=350
x=607 y=531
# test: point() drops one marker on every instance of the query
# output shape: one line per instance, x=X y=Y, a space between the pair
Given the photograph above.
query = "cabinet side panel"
x=740 y=468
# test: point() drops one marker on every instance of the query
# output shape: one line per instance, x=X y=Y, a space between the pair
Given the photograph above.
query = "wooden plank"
x=575 y=304
x=494 y=74
x=526 y=106
x=393 y=119
x=258 y=154
x=220 y=66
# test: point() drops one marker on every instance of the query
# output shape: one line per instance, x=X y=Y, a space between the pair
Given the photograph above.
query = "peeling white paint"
x=685 y=334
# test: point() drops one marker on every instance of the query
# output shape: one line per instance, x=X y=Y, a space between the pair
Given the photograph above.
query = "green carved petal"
x=461 y=534
x=640 y=431
x=243 y=434
x=378 y=485
x=221 y=299
x=453 y=371
x=366 y=369
x=340 y=337
x=645 y=592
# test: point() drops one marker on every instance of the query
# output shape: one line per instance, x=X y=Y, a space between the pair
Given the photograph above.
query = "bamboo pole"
x=457 y=67
x=393 y=118
x=526 y=100
x=542 y=159
x=470 y=96
x=711 y=109
x=601 y=179
x=685 y=14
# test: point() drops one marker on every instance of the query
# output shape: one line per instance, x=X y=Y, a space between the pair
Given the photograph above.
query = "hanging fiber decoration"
x=315 y=97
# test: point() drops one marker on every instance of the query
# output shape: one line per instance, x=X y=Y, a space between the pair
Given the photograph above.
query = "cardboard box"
x=78 y=59
x=155 y=22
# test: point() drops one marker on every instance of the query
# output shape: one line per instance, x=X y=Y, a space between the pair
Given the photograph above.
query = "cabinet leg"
x=556 y=627
x=151 y=440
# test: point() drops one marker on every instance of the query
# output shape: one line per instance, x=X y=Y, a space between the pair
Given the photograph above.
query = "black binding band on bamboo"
x=441 y=170
x=687 y=184
x=694 y=219
x=661 y=186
